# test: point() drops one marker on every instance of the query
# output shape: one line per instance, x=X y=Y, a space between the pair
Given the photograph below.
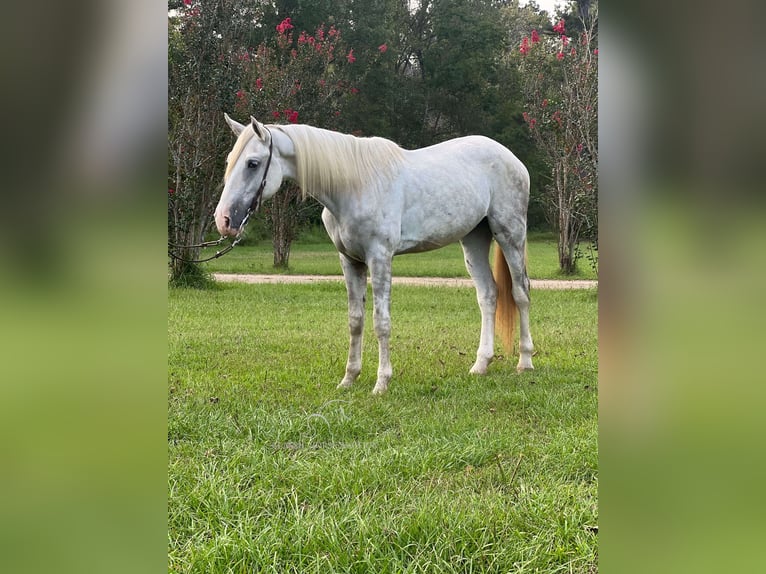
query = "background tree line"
x=417 y=72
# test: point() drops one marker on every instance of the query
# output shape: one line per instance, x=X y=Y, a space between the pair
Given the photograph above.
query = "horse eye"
x=252 y=163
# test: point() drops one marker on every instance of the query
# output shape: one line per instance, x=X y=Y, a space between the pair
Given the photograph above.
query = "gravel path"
x=423 y=281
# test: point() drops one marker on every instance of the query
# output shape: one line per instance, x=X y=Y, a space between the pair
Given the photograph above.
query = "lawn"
x=271 y=469
x=315 y=255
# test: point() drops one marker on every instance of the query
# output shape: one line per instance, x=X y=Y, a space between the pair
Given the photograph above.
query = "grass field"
x=315 y=255
x=271 y=469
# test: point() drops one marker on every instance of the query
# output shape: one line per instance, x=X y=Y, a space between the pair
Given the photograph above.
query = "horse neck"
x=287 y=153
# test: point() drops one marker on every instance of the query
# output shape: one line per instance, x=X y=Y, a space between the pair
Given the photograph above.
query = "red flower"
x=559 y=28
x=187 y=2
x=560 y=56
x=354 y=90
x=545 y=102
x=292 y=117
x=241 y=94
x=524 y=49
x=350 y=57
x=171 y=191
x=275 y=114
x=595 y=52
x=564 y=40
x=285 y=25
x=535 y=37
x=259 y=83
x=382 y=48
x=302 y=38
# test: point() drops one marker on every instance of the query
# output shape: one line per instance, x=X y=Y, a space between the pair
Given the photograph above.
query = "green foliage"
x=271 y=469
x=422 y=72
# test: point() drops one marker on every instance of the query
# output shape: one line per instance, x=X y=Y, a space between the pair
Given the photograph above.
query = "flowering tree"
x=296 y=77
x=201 y=74
x=560 y=86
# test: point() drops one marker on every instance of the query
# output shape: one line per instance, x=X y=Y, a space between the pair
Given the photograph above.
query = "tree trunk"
x=284 y=224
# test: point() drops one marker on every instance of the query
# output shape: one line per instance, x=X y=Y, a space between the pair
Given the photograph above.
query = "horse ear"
x=257 y=127
x=235 y=126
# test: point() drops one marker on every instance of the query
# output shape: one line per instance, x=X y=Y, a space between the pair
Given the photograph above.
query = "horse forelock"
x=330 y=162
x=243 y=139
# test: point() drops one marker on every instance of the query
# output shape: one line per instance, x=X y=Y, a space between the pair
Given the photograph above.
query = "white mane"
x=330 y=162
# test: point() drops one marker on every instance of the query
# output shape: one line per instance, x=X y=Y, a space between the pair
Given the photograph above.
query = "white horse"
x=381 y=200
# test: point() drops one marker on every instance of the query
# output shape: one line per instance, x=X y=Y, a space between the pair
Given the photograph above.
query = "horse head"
x=252 y=175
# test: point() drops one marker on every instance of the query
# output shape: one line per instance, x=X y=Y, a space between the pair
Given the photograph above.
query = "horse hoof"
x=379 y=390
x=344 y=385
x=523 y=368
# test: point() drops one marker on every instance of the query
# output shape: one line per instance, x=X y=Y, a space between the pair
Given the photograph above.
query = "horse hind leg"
x=476 y=251
x=513 y=247
x=355 y=274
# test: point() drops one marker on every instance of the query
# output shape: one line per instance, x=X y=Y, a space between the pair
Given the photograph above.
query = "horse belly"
x=431 y=225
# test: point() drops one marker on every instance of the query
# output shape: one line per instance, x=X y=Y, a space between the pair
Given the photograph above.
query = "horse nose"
x=227 y=221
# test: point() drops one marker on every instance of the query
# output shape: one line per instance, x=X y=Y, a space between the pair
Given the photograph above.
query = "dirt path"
x=423 y=281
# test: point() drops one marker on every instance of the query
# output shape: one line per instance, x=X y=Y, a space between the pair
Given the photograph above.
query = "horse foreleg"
x=355 y=274
x=380 y=271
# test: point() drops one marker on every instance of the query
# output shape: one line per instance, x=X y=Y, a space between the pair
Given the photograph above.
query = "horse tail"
x=505 y=313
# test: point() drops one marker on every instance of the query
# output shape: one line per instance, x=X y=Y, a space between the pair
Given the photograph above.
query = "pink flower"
x=285 y=25
x=259 y=83
x=545 y=102
x=382 y=48
x=560 y=56
x=172 y=191
x=532 y=123
x=302 y=38
x=187 y=2
x=564 y=40
x=240 y=94
x=535 y=37
x=524 y=48
x=354 y=90
x=595 y=52
x=559 y=28
x=350 y=57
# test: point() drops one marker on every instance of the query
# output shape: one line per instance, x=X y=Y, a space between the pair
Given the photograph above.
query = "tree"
x=202 y=75
x=295 y=76
x=560 y=83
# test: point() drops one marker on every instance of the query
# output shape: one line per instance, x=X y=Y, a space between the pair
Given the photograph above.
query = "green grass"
x=316 y=255
x=271 y=469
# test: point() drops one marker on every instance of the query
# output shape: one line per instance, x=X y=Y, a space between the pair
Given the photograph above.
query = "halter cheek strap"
x=256 y=204
x=258 y=198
